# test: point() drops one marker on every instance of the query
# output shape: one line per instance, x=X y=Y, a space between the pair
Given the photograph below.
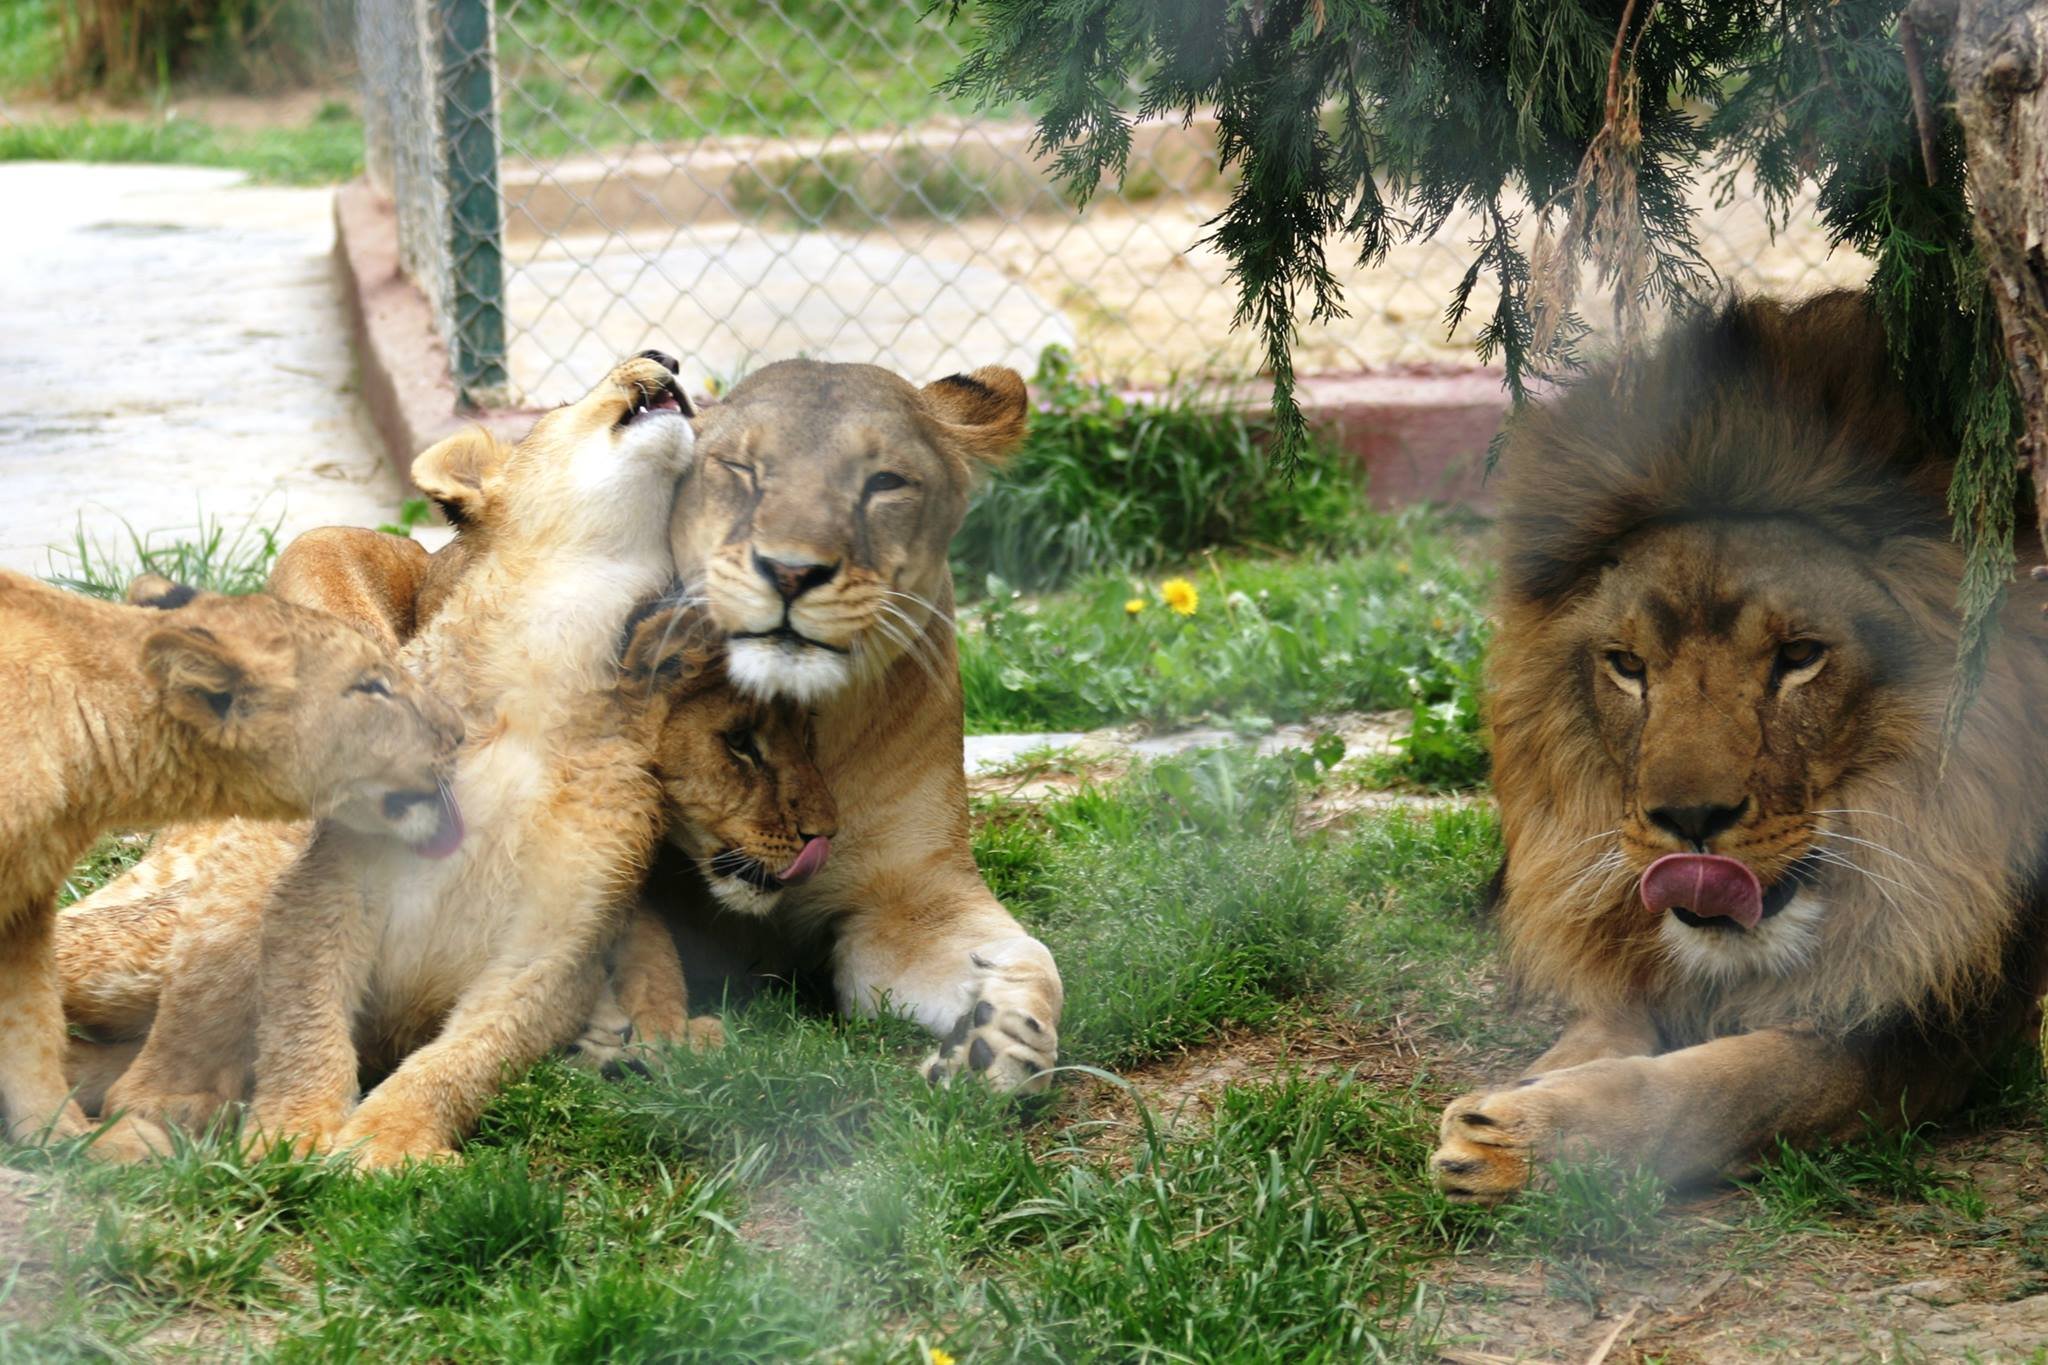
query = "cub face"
x=309 y=706
x=742 y=794
x=817 y=516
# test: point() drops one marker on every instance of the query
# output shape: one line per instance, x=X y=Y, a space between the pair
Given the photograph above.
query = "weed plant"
x=1106 y=483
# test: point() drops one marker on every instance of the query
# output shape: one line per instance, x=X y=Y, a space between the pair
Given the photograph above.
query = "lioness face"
x=745 y=800
x=817 y=517
x=1738 y=674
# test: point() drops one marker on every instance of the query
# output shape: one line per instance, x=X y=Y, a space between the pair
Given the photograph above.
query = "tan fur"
x=487 y=959
x=188 y=707
x=1668 y=529
x=817 y=523
x=181 y=930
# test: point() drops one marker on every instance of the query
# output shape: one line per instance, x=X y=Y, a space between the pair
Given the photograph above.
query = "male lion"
x=1736 y=848
x=183 y=705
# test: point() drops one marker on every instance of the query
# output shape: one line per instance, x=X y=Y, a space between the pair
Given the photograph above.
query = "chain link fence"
x=579 y=179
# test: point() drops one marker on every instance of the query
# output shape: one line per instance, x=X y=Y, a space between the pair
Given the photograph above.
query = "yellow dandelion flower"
x=1180 y=595
x=1134 y=606
x=1401 y=567
x=934 y=1356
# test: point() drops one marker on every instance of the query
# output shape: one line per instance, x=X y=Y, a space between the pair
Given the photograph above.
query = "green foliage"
x=127 y=47
x=668 y=70
x=1802 y=1187
x=207 y=558
x=1398 y=625
x=1592 y=1208
x=322 y=152
x=1108 y=484
x=413 y=512
x=1445 y=747
x=1354 y=124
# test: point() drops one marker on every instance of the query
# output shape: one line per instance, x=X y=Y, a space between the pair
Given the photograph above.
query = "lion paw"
x=1006 y=1043
x=194 y=1112
x=385 y=1149
x=1486 y=1147
x=129 y=1139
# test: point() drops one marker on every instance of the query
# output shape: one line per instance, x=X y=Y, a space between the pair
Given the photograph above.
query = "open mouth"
x=1710 y=891
x=407 y=810
x=787 y=636
x=654 y=400
x=744 y=867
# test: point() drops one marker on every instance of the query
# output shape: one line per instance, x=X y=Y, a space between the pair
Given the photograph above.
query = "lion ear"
x=984 y=412
x=454 y=472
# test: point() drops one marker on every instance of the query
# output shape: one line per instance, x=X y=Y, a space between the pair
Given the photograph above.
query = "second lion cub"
x=495 y=956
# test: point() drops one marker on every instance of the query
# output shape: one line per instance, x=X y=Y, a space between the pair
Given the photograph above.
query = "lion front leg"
x=1688 y=1115
x=514 y=1015
x=965 y=969
x=316 y=953
x=645 y=1002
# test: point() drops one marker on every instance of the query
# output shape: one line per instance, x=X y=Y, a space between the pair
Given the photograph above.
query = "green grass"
x=805 y=1195
x=583 y=74
x=207 y=556
x=1396 y=624
x=1106 y=484
x=327 y=150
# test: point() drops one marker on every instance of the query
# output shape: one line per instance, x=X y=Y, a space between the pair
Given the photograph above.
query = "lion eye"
x=884 y=482
x=374 y=687
x=744 y=472
x=1797 y=654
x=1627 y=664
x=741 y=742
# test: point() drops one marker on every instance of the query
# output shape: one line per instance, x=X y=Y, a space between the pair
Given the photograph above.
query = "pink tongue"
x=815 y=852
x=1706 y=884
x=447 y=835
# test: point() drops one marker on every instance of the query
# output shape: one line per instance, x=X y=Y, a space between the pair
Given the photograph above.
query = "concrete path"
x=172 y=345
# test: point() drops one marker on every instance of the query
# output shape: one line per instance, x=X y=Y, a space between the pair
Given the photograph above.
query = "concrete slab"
x=173 y=345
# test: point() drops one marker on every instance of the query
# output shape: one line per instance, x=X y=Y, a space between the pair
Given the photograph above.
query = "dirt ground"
x=1906 y=1281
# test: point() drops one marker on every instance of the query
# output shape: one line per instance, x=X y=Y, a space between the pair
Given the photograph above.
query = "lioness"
x=1736 y=849
x=497 y=955
x=816 y=521
x=181 y=706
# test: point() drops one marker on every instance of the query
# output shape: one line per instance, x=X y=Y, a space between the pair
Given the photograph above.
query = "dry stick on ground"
x=1998 y=66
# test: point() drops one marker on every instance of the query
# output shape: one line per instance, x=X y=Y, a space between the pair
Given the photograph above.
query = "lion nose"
x=793 y=580
x=666 y=361
x=1697 y=824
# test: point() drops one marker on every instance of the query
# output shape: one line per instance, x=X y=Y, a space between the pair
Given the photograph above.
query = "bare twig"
x=1614 y=1334
x=1916 y=76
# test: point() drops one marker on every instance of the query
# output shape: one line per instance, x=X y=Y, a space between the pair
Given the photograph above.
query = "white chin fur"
x=738 y=896
x=805 y=674
x=1778 y=946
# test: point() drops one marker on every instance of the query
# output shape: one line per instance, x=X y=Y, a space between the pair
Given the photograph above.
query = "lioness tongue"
x=1707 y=885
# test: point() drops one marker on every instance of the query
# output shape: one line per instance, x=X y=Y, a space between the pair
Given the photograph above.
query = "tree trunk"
x=1998 y=67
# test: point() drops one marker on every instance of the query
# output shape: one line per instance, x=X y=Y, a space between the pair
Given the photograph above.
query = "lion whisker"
x=1873 y=844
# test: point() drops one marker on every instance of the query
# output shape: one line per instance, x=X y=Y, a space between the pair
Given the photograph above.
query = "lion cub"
x=182 y=706
x=178 y=936
x=495 y=956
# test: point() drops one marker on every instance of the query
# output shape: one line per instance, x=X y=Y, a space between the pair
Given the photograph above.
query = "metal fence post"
x=469 y=125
